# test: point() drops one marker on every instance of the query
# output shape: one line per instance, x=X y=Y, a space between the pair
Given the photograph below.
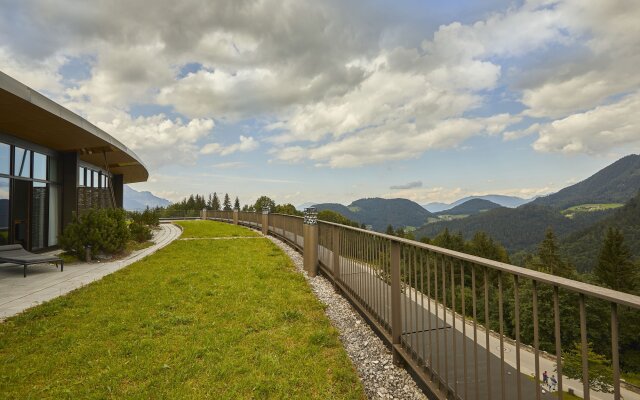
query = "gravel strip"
x=372 y=359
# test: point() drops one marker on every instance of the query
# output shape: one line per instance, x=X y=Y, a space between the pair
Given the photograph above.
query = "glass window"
x=4 y=210
x=96 y=179
x=81 y=177
x=39 y=166
x=5 y=158
x=22 y=163
x=104 y=181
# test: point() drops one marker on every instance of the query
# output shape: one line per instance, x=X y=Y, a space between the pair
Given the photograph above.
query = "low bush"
x=139 y=232
x=149 y=217
x=105 y=230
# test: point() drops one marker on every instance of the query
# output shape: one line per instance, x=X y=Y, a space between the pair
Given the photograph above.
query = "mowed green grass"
x=208 y=229
x=219 y=319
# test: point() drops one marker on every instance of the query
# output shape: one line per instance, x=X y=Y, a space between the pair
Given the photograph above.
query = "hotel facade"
x=53 y=165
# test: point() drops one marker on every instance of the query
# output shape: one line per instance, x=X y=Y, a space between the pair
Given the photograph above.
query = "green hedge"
x=105 y=230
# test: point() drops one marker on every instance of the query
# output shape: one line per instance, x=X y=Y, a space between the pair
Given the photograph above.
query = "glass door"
x=20 y=201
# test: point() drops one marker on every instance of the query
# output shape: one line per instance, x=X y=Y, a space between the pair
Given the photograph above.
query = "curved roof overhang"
x=29 y=115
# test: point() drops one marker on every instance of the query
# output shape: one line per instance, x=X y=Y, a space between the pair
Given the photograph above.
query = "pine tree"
x=390 y=230
x=215 y=202
x=236 y=204
x=226 y=203
x=550 y=260
x=615 y=268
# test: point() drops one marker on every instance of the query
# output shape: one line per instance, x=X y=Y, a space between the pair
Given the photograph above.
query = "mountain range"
x=505 y=201
x=135 y=201
x=522 y=228
x=380 y=213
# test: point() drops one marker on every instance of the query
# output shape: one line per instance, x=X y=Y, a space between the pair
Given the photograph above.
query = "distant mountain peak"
x=500 y=199
x=379 y=212
x=135 y=200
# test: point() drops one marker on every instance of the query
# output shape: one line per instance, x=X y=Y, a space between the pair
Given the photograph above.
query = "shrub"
x=149 y=217
x=139 y=232
x=105 y=230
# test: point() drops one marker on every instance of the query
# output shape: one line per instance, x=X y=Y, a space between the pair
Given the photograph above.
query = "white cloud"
x=596 y=131
x=381 y=144
x=321 y=77
x=229 y=165
x=158 y=139
x=610 y=35
x=42 y=75
x=246 y=144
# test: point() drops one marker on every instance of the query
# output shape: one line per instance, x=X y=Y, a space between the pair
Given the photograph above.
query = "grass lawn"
x=220 y=319
x=208 y=229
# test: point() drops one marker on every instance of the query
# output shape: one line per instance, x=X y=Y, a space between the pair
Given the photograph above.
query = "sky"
x=331 y=101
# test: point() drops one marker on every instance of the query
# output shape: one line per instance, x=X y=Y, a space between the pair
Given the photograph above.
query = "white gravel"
x=372 y=359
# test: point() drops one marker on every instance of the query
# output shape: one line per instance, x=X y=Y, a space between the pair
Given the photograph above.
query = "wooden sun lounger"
x=16 y=254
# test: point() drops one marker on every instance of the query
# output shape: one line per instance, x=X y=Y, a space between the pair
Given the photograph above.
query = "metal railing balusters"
x=428 y=256
x=435 y=280
x=516 y=295
x=501 y=320
x=366 y=266
x=415 y=291
x=487 y=326
x=424 y=344
x=453 y=328
x=615 y=357
x=444 y=315
x=536 y=339
x=585 y=348
x=464 y=331
x=558 y=338
x=475 y=331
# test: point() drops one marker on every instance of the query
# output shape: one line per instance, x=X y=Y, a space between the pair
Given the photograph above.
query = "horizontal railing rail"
x=466 y=326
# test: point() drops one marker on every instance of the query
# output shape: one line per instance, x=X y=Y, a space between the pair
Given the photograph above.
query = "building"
x=54 y=164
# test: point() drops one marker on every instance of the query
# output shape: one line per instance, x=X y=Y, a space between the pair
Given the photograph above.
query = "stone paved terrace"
x=44 y=282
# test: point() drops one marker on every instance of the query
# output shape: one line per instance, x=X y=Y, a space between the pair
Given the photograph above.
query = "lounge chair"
x=16 y=254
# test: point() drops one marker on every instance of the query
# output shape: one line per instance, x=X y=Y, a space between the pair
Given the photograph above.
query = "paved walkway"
x=44 y=282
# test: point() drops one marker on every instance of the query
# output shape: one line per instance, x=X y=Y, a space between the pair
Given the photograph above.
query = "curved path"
x=44 y=283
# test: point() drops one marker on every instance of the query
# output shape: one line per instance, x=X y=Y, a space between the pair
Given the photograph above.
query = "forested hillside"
x=471 y=207
x=379 y=213
x=583 y=247
x=516 y=229
x=616 y=183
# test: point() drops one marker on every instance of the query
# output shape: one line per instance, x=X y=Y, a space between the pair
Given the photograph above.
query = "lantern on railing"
x=310 y=216
x=265 y=210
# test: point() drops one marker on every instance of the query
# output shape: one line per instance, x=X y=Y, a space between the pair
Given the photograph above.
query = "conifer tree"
x=226 y=203
x=615 y=269
x=236 y=204
x=549 y=258
x=390 y=230
x=215 y=202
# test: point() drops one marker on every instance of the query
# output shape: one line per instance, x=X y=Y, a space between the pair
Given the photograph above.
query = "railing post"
x=265 y=221
x=203 y=213
x=335 y=233
x=310 y=234
x=235 y=216
x=396 y=302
